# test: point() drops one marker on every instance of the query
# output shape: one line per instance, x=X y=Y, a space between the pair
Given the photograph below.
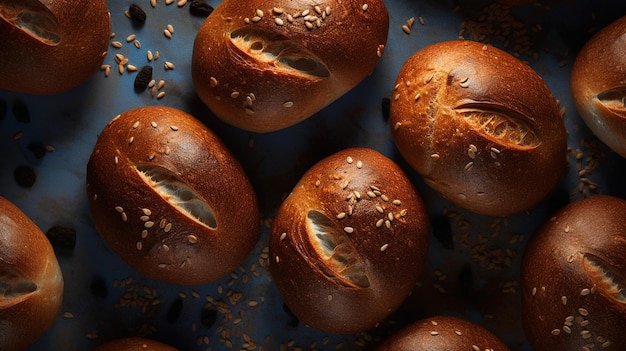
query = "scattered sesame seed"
x=348 y=230
x=384 y=247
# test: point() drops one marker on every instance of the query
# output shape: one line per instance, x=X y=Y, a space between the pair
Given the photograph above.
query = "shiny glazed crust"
x=480 y=126
x=266 y=65
x=51 y=46
x=598 y=83
x=169 y=198
x=572 y=278
x=442 y=333
x=348 y=244
x=31 y=292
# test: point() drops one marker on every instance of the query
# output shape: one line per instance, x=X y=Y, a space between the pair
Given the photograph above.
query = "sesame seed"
x=192 y=239
x=564 y=300
x=585 y=292
x=168 y=227
x=388 y=224
x=168 y=65
x=458 y=332
x=556 y=332
x=567 y=329
x=174 y=128
x=213 y=82
x=583 y=312
x=161 y=84
x=116 y=44
x=380 y=223
x=259 y=12
x=288 y=104
x=365 y=7
x=304 y=13
x=167 y=34
x=278 y=10
x=130 y=38
x=160 y=95
x=348 y=230
x=349 y=159
x=119 y=209
x=144 y=218
x=434 y=333
x=283 y=236
x=384 y=247
x=124 y=217
x=181 y=3
x=359 y=164
x=279 y=22
x=139 y=245
x=149 y=224
x=153 y=124
x=397 y=202
x=137 y=44
x=341 y=215
x=406 y=29
x=170 y=28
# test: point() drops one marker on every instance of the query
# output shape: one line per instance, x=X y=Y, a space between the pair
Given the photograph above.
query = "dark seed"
x=175 y=310
x=386 y=106
x=3 y=109
x=98 y=287
x=137 y=14
x=38 y=150
x=143 y=78
x=442 y=231
x=24 y=176
x=63 y=239
x=208 y=316
x=20 y=111
x=200 y=8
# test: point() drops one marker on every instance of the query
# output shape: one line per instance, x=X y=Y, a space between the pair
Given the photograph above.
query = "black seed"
x=3 y=109
x=200 y=8
x=208 y=316
x=24 y=176
x=292 y=320
x=38 y=150
x=143 y=78
x=137 y=14
x=386 y=106
x=175 y=310
x=98 y=287
x=442 y=231
x=20 y=111
x=62 y=239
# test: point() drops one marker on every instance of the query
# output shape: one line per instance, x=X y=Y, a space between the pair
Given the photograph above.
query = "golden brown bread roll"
x=31 y=283
x=134 y=344
x=266 y=65
x=598 y=84
x=442 y=333
x=169 y=198
x=50 y=46
x=348 y=244
x=573 y=278
x=480 y=126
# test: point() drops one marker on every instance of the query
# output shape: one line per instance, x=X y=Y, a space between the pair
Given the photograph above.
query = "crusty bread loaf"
x=598 y=85
x=442 y=333
x=348 y=244
x=50 y=46
x=31 y=282
x=573 y=278
x=134 y=344
x=169 y=198
x=481 y=127
x=266 y=65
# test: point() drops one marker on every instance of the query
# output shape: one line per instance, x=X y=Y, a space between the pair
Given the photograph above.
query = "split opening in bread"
x=610 y=277
x=335 y=248
x=501 y=126
x=178 y=194
x=12 y=286
x=33 y=18
x=614 y=99
x=279 y=51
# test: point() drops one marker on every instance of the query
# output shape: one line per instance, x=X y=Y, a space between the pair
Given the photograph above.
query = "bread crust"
x=134 y=344
x=442 y=333
x=31 y=292
x=258 y=66
x=169 y=198
x=481 y=127
x=76 y=38
x=598 y=85
x=573 y=278
x=349 y=243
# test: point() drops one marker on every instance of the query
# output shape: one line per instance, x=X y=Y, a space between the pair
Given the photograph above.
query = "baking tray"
x=472 y=268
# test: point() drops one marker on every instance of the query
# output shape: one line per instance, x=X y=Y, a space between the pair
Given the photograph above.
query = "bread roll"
x=573 y=278
x=480 y=126
x=134 y=344
x=598 y=85
x=169 y=198
x=266 y=65
x=31 y=283
x=442 y=333
x=50 y=46
x=348 y=244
